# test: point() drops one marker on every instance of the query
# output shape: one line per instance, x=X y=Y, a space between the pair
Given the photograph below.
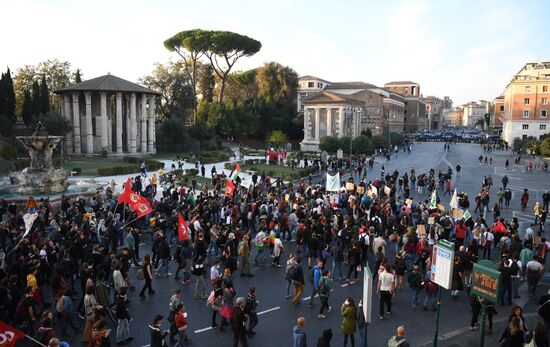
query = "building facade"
x=526 y=104
x=496 y=111
x=346 y=109
x=453 y=118
x=474 y=114
x=415 y=116
x=110 y=114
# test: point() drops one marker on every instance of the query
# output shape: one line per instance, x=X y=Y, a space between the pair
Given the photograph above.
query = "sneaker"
x=381 y=317
x=321 y=316
x=288 y=296
x=389 y=313
x=330 y=308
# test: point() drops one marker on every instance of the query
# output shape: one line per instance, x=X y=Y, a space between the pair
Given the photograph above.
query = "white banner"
x=29 y=219
x=333 y=182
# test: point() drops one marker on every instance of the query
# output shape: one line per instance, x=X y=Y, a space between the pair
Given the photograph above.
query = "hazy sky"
x=465 y=49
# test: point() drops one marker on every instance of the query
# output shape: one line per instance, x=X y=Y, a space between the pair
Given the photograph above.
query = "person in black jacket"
x=238 y=321
x=324 y=340
x=164 y=255
x=123 y=318
x=157 y=334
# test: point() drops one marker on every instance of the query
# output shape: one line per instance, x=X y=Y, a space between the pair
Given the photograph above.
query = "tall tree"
x=241 y=87
x=7 y=96
x=207 y=83
x=278 y=83
x=176 y=92
x=35 y=98
x=27 y=108
x=224 y=49
x=77 y=76
x=190 y=46
x=2 y=94
x=44 y=96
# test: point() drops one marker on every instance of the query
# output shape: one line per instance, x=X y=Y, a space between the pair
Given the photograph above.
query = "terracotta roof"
x=399 y=83
x=107 y=83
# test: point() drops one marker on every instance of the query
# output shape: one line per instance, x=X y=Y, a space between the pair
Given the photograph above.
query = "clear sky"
x=466 y=49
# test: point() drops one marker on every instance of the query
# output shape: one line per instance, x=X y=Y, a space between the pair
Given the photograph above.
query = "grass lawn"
x=274 y=171
x=201 y=181
x=89 y=168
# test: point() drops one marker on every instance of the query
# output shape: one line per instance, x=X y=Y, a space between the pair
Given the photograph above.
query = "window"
x=527 y=89
x=526 y=101
x=543 y=113
x=319 y=85
x=525 y=113
x=542 y=127
x=545 y=89
x=544 y=101
x=501 y=108
x=310 y=84
x=525 y=126
x=524 y=137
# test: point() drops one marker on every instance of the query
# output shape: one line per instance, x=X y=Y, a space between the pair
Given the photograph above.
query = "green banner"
x=486 y=281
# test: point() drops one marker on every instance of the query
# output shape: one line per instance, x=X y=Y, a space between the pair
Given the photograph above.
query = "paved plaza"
x=276 y=313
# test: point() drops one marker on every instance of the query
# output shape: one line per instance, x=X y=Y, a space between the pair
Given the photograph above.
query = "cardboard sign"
x=350 y=186
x=431 y=220
x=457 y=213
x=387 y=190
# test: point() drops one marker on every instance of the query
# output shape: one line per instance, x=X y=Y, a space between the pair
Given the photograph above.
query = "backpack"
x=393 y=342
x=292 y=271
x=60 y=304
x=323 y=286
x=515 y=268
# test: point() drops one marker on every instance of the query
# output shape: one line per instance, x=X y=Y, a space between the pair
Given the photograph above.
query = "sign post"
x=367 y=301
x=442 y=274
x=485 y=284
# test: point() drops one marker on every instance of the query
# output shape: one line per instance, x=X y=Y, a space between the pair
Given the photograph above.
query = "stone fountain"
x=41 y=176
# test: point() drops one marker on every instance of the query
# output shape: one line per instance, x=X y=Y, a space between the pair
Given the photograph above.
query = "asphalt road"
x=278 y=315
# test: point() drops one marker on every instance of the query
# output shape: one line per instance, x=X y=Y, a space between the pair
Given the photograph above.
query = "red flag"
x=500 y=227
x=183 y=228
x=139 y=204
x=125 y=194
x=8 y=335
x=229 y=188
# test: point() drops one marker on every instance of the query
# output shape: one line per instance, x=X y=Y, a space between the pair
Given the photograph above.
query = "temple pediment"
x=328 y=97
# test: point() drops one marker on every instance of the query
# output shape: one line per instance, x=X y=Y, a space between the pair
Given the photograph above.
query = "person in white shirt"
x=515 y=264
x=386 y=286
x=533 y=268
x=530 y=232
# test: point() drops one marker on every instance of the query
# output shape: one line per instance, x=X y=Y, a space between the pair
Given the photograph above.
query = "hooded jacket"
x=299 y=337
x=324 y=340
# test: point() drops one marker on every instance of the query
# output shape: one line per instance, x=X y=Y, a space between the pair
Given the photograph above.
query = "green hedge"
x=152 y=165
x=192 y=172
x=116 y=170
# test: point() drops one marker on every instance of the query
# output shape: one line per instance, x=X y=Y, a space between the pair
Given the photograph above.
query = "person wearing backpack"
x=398 y=340
x=314 y=278
x=416 y=283
x=325 y=289
x=516 y=274
x=64 y=308
x=290 y=272
x=506 y=280
x=298 y=281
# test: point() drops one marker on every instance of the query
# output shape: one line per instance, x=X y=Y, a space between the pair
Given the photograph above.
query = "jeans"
x=200 y=283
x=336 y=265
x=259 y=256
x=505 y=292
x=414 y=298
x=429 y=299
x=163 y=264
x=182 y=337
x=394 y=245
x=213 y=245
x=122 y=330
x=410 y=260
x=253 y=316
x=67 y=321
x=148 y=286
x=288 y=283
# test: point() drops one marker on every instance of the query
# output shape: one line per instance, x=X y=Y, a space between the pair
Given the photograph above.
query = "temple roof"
x=107 y=83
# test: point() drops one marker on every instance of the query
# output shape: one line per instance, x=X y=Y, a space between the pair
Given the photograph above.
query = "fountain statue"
x=41 y=176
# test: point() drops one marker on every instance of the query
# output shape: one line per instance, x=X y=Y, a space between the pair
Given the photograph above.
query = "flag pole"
x=133 y=220
x=35 y=341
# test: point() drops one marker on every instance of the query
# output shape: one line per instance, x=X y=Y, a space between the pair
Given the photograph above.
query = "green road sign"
x=486 y=281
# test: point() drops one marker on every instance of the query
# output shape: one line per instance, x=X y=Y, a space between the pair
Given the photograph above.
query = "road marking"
x=344 y=285
x=210 y=328
x=306 y=298
x=271 y=309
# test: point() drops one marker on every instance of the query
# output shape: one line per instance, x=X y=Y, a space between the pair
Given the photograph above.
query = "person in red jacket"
x=181 y=326
x=460 y=233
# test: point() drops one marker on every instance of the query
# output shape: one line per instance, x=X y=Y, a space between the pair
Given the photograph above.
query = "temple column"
x=76 y=124
x=119 y=123
x=341 y=122
x=317 y=119
x=329 y=121
x=133 y=123
x=88 y=119
x=143 y=119
x=104 y=125
x=67 y=113
x=151 y=126
x=307 y=135
x=128 y=128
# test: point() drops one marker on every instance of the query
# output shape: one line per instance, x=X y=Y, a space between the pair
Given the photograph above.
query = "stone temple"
x=109 y=114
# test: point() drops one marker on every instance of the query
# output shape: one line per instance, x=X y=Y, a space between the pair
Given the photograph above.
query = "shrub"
x=116 y=170
x=77 y=170
x=192 y=172
x=362 y=145
x=8 y=152
x=329 y=144
x=152 y=165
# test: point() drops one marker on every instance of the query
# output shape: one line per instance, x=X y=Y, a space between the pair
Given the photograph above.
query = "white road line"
x=344 y=285
x=210 y=328
x=306 y=298
x=271 y=309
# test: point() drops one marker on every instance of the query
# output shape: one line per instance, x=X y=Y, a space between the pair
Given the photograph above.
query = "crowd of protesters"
x=71 y=274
